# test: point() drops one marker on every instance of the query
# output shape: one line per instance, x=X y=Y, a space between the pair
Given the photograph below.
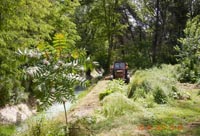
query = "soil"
x=87 y=105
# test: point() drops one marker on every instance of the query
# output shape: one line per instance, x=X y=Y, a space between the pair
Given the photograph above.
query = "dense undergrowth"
x=153 y=103
x=158 y=82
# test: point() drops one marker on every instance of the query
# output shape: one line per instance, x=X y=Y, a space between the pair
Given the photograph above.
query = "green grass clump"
x=43 y=127
x=114 y=86
x=7 y=130
x=104 y=94
x=161 y=82
x=159 y=96
x=117 y=86
x=117 y=104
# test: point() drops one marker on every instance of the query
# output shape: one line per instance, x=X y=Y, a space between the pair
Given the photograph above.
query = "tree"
x=25 y=24
x=189 y=52
x=21 y=25
x=55 y=70
x=102 y=26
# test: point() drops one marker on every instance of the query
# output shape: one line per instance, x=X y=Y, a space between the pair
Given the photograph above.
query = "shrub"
x=189 y=54
x=159 y=96
x=117 y=104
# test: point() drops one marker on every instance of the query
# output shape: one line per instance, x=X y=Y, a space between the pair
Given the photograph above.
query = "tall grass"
x=161 y=82
x=43 y=127
x=114 y=86
x=117 y=104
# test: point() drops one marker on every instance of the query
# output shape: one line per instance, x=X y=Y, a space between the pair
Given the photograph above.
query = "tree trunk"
x=155 y=40
x=66 y=121
x=109 y=53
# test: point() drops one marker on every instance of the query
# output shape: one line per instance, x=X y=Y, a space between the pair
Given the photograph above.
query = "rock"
x=15 y=114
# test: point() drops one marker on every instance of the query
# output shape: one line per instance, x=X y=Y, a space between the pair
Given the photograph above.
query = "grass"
x=123 y=116
x=51 y=127
x=7 y=130
x=170 y=119
x=144 y=116
x=161 y=82
x=43 y=127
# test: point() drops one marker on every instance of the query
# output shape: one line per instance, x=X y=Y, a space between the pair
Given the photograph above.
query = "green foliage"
x=43 y=127
x=7 y=130
x=117 y=104
x=159 y=96
x=104 y=94
x=117 y=86
x=189 y=51
x=136 y=53
x=54 y=71
x=113 y=86
x=161 y=82
x=100 y=41
x=25 y=24
x=81 y=127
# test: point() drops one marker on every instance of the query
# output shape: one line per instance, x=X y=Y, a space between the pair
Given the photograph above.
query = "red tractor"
x=119 y=70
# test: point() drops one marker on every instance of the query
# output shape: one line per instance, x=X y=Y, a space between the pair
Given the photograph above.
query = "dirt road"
x=87 y=105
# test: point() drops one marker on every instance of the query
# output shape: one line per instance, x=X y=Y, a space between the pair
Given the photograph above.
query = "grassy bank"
x=154 y=103
x=171 y=110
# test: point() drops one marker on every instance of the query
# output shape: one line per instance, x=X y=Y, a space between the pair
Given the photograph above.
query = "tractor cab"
x=119 y=70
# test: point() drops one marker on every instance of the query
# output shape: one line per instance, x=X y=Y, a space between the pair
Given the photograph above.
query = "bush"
x=189 y=51
x=161 y=82
x=117 y=104
x=159 y=96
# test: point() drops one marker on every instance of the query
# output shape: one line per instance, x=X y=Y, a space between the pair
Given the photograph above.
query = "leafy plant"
x=159 y=96
x=104 y=94
x=54 y=71
x=189 y=51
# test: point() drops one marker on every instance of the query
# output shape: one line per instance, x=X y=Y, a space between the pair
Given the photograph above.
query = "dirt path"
x=87 y=105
